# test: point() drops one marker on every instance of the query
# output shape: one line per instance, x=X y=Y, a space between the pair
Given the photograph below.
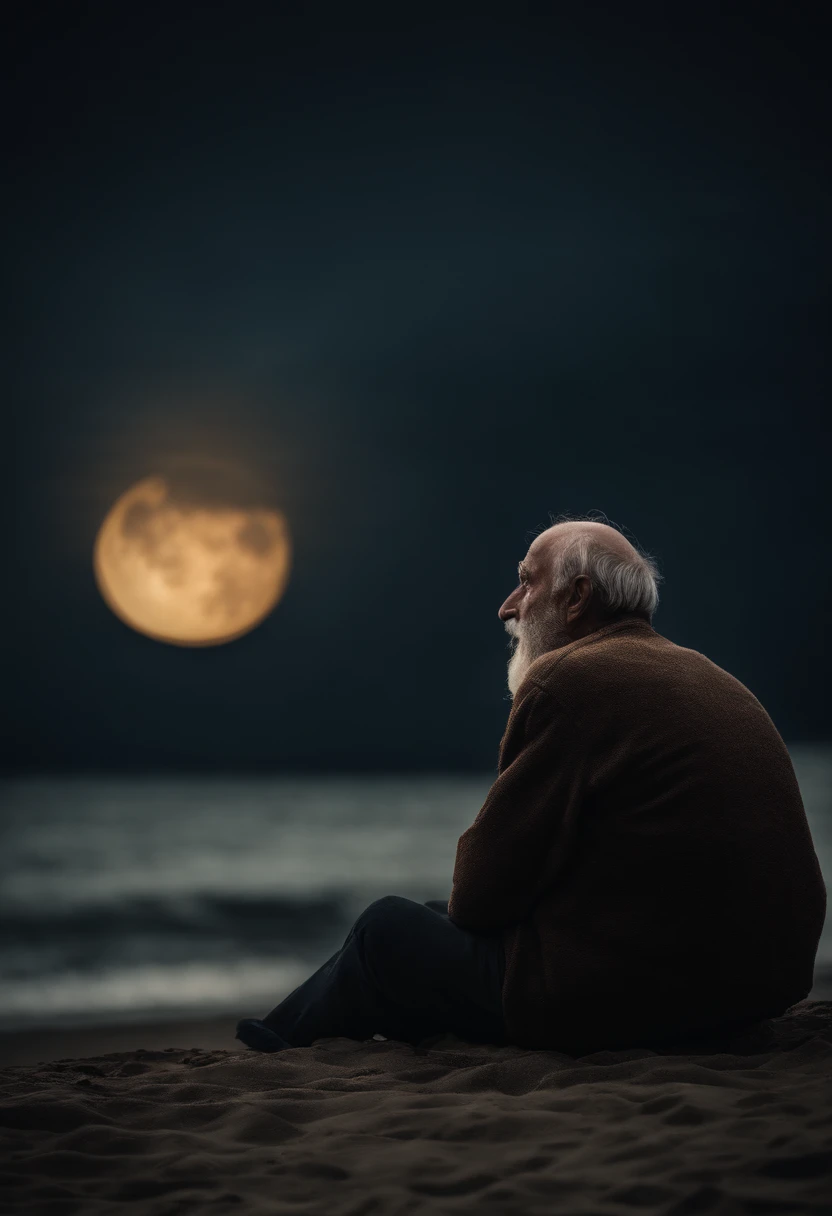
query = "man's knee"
x=387 y=908
x=389 y=939
x=386 y=922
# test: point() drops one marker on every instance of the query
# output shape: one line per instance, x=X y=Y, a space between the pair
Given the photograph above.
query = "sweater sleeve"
x=519 y=839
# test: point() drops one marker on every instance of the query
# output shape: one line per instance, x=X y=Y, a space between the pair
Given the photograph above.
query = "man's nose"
x=509 y=608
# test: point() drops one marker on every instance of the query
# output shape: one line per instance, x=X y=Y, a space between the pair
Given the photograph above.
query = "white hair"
x=622 y=584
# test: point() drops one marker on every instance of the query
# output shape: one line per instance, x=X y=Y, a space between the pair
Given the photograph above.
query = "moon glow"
x=190 y=572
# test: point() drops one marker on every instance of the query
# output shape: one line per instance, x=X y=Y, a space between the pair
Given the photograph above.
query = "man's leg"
x=438 y=905
x=404 y=971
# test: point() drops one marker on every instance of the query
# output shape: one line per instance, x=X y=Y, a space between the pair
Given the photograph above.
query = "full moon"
x=190 y=570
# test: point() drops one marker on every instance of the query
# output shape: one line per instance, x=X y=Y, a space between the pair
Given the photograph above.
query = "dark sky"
x=435 y=280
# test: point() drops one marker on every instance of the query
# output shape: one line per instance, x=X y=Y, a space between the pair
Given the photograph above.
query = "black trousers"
x=406 y=971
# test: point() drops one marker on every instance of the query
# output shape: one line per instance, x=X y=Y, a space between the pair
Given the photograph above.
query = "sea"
x=127 y=899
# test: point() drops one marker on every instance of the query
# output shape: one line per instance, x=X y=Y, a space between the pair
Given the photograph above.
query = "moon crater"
x=187 y=572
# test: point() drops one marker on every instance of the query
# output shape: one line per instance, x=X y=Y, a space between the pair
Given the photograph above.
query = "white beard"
x=519 y=663
x=530 y=640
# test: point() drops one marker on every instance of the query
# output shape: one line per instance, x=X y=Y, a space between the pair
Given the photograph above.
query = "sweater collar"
x=631 y=622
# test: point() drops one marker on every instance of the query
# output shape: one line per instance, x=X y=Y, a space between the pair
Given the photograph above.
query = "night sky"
x=434 y=281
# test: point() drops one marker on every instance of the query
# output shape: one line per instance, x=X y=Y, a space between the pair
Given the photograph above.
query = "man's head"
x=578 y=575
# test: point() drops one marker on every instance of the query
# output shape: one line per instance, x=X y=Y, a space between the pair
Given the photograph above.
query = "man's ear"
x=580 y=598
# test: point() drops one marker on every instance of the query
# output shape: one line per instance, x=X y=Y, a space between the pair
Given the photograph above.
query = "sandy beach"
x=170 y=1119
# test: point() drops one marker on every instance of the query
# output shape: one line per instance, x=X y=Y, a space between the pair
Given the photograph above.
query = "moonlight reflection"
x=186 y=565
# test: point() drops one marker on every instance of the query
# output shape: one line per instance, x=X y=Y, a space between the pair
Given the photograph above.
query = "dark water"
x=135 y=898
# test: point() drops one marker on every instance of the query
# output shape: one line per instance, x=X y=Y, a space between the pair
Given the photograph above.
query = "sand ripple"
x=365 y=1129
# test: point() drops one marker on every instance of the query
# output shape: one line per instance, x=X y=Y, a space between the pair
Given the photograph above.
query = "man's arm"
x=522 y=832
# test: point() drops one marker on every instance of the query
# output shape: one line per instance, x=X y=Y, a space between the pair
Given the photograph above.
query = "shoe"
x=258 y=1037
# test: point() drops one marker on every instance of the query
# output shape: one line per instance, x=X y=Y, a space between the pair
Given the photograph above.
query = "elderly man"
x=641 y=871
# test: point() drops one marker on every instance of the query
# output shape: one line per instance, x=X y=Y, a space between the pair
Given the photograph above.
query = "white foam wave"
x=247 y=985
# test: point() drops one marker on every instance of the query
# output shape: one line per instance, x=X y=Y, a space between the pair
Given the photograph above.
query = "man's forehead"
x=539 y=549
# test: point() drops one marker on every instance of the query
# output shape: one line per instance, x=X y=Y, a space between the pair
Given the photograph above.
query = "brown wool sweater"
x=644 y=850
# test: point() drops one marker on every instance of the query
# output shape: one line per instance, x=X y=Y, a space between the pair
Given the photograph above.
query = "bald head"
x=577 y=576
x=606 y=539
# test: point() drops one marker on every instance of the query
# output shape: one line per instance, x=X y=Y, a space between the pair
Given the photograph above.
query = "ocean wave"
x=190 y=915
x=132 y=993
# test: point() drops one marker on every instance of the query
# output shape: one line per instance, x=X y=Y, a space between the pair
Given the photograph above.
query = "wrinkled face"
x=533 y=617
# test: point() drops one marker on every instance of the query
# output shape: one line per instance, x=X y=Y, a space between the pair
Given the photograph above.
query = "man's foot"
x=258 y=1037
